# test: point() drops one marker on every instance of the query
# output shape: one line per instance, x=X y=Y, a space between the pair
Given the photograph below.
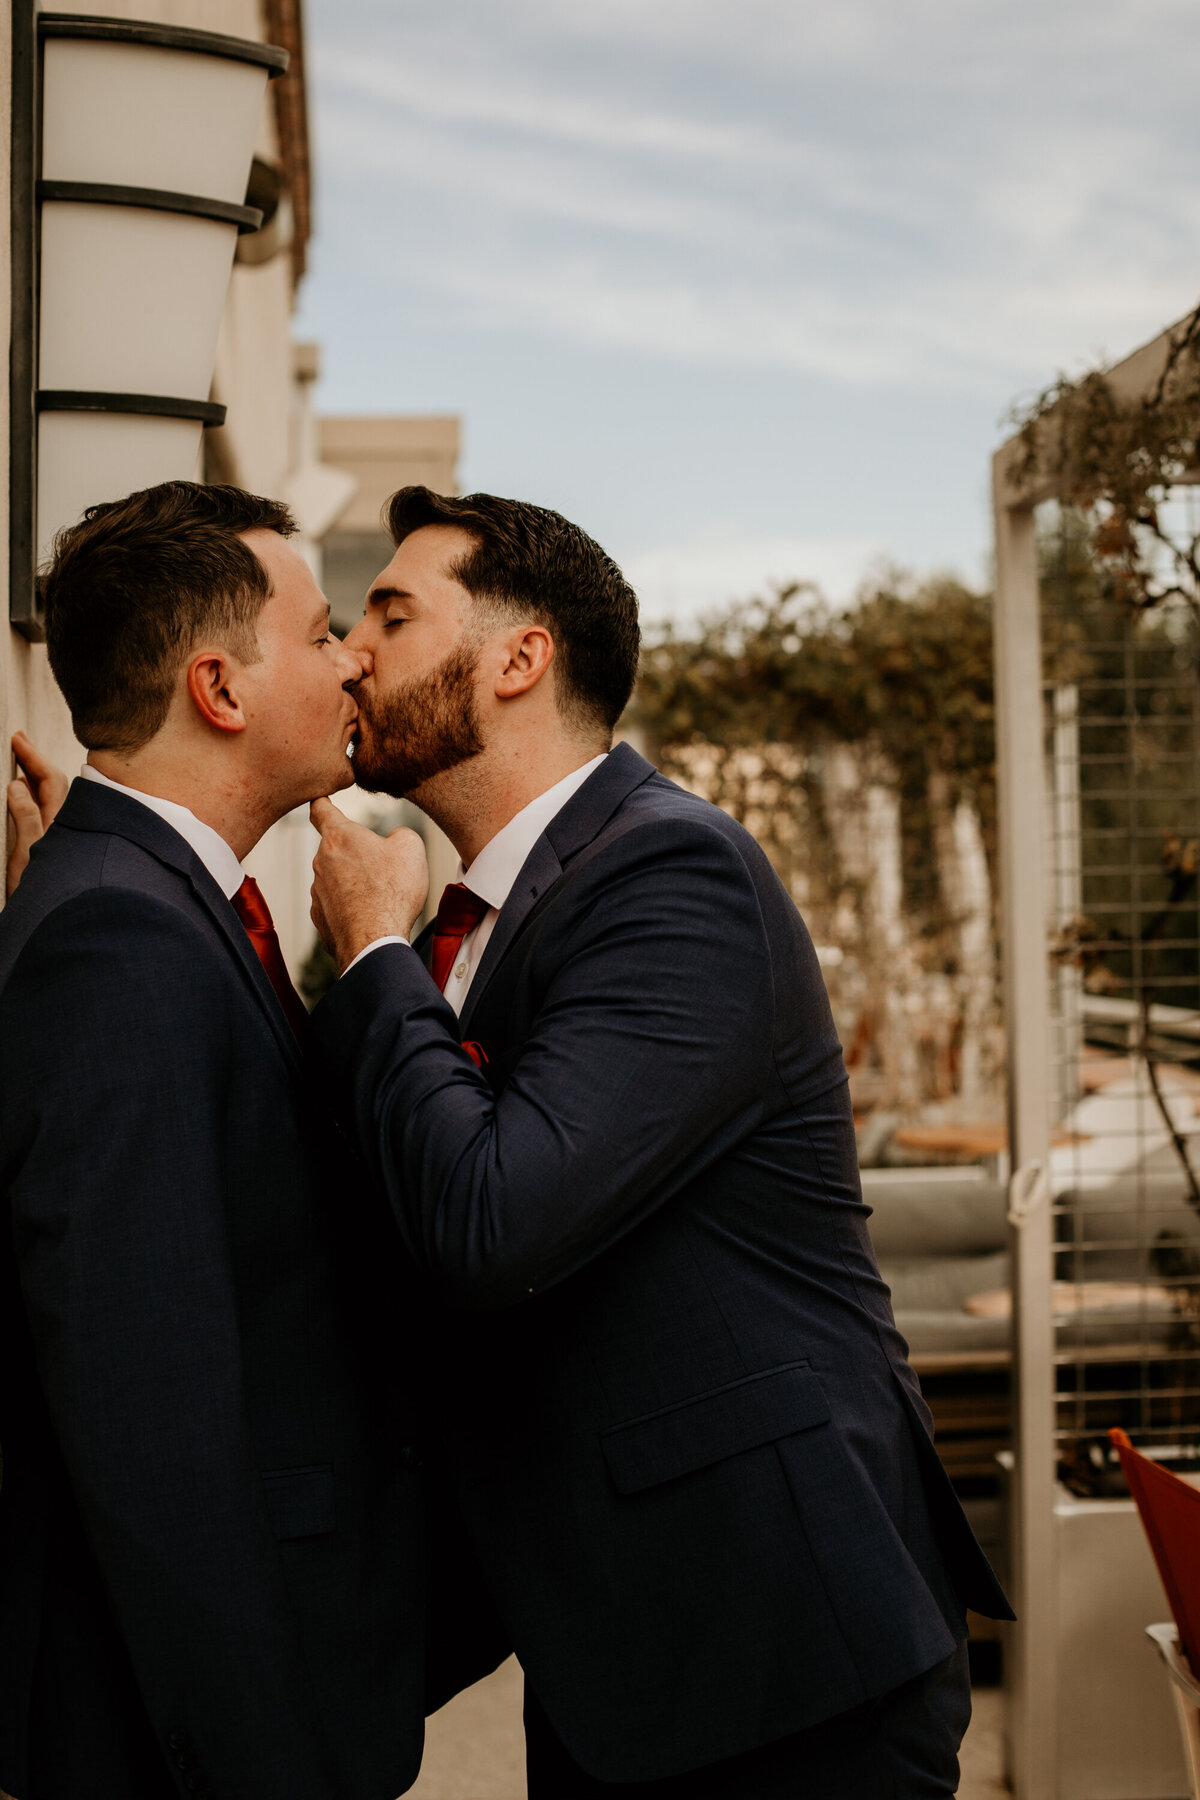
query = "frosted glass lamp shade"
x=131 y=298
x=136 y=115
x=147 y=138
x=86 y=457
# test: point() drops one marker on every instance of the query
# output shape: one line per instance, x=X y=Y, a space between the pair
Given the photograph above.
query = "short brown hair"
x=135 y=585
x=530 y=560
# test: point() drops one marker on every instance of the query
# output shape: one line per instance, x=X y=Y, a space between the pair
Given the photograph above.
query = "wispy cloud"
x=951 y=192
x=681 y=582
x=786 y=262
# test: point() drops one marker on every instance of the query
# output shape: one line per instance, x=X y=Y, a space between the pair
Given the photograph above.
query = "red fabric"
x=255 y=915
x=1170 y=1511
x=458 y=913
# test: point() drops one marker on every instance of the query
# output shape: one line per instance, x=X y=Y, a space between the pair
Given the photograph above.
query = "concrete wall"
x=28 y=696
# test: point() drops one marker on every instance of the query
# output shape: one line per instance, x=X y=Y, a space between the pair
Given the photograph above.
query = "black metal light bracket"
x=164 y=37
x=24 y=612
x=158 y=406
x=193 y=206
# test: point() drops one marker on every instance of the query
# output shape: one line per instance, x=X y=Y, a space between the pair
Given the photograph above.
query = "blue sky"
x=746 y=287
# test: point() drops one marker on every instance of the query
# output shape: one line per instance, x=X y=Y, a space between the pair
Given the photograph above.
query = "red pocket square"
x=476 y=1052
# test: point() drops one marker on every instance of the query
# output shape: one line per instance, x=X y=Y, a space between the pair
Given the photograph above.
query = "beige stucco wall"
x=29 y=699
x=253 y=375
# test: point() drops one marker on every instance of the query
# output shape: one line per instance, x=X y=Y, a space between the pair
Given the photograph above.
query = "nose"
x=353 y=663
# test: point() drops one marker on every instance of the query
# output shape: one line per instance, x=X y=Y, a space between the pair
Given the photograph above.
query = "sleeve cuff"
x=373 y=946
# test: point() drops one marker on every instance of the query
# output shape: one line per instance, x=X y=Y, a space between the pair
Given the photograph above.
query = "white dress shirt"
x=493 y=873
x=208 y=844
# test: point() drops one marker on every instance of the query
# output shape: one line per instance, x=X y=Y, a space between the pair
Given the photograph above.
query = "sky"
x=746 y=288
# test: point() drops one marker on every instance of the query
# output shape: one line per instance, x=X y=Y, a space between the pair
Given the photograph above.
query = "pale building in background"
x=380 y=455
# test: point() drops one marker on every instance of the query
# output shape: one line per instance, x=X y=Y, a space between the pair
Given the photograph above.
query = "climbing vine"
x=1119 y=461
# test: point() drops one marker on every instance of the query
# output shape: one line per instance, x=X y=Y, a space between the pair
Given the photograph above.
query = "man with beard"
x=693 y=1460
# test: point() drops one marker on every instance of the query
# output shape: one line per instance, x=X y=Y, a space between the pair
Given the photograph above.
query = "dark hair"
x=530 y=560
x=133 y=588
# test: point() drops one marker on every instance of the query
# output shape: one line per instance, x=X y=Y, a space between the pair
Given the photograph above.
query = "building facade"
x=268 y=439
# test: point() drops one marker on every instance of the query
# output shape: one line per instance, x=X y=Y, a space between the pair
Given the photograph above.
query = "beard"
x=420 y=729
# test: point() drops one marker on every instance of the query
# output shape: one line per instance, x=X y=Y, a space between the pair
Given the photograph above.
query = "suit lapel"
x=581 y=820
x=90 y=807
x=238 y=939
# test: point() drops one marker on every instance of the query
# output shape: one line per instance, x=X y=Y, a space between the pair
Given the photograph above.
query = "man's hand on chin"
x=364 y=886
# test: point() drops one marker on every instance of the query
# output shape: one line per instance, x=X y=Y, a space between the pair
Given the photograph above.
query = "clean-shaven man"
x=210 y=1570
x=607 y=1103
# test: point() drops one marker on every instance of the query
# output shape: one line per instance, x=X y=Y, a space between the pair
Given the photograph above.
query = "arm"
x=654 y=1033
x=113 y=1090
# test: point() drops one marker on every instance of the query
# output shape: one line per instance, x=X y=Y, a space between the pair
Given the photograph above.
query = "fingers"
x=47 y=784
x=27 y=828
x=323 y=813
x=317 y=914
x=30 y=757
x=23 y=807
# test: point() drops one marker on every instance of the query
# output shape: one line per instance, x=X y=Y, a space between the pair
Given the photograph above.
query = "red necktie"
x=459 y=913
x=255 y=915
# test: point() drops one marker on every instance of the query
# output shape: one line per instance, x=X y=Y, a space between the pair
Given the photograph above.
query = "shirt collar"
x=502 y=858
x=208 y=844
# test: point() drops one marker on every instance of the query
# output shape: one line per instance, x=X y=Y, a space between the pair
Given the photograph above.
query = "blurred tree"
x=857 y=747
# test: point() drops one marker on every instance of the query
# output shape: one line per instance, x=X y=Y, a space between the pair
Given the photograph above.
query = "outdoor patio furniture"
x=1185 y=1692
x=1169 y=1508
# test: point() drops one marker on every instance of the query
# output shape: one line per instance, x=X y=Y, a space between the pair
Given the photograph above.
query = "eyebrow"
x=379 y=596
x=322 y=615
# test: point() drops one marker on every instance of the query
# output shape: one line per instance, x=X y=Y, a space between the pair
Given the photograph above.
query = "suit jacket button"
x=176 y=1739
x=410 y=1456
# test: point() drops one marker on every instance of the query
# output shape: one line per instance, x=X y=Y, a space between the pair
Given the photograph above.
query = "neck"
x=219 y=796
x=476 y=799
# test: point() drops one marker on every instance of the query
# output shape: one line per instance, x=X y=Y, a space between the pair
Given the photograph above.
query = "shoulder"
x=661 y=823
x=95 y=934
x=665 y=866
x=67 y=863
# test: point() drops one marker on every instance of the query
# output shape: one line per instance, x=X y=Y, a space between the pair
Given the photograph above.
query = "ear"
x=528 y=653
x=211 y=689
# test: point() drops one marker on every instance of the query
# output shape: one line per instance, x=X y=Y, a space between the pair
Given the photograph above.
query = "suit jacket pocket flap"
x=706 y=1429
x=300 y=1501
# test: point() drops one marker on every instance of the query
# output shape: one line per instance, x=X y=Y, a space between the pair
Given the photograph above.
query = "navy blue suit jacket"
x=210 y=1566
x=695 y=1463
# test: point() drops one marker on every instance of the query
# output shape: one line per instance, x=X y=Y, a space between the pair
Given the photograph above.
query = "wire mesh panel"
x=1122 y=762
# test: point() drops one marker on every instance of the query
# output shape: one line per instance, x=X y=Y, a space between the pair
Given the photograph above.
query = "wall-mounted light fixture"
x=131 y=159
